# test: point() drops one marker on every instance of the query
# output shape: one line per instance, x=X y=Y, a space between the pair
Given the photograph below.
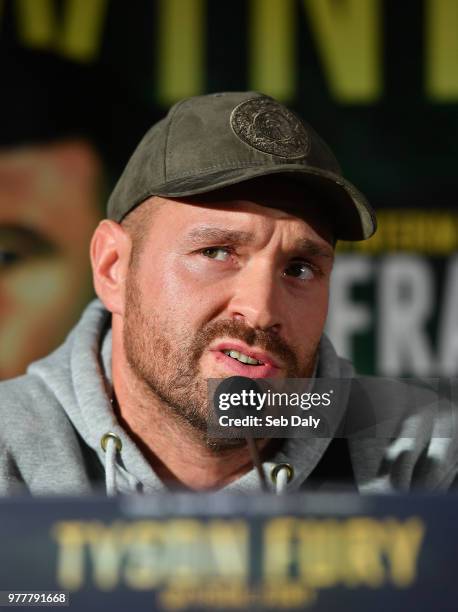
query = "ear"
x=110 y=255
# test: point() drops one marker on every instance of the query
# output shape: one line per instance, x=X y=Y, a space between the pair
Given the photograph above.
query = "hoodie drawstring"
x=111 y=444
x=281 y=475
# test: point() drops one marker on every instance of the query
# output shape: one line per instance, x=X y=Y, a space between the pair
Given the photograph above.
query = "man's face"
x=48 y=210
x=216 y=277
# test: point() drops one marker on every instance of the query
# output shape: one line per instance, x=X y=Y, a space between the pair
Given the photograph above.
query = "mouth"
x=245 y=361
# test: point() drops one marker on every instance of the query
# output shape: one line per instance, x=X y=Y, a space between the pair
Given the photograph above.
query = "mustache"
x=265 y=340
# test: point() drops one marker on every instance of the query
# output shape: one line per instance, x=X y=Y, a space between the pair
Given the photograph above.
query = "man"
x=52 y=179
x=214 y=261
x=55 y=160
x=48 y=210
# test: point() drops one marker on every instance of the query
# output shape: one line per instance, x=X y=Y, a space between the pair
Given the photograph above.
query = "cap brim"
x=352 y=214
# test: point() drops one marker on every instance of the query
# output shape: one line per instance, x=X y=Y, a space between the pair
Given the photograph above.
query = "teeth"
x=242 y=357
x=252 y=361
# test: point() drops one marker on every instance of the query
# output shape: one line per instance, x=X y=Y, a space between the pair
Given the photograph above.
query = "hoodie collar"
x=79 y=375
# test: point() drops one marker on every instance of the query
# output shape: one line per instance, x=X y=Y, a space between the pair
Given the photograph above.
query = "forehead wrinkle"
x=218 y=234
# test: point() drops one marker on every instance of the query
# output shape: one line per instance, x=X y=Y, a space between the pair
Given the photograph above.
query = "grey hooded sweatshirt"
x=52 y=421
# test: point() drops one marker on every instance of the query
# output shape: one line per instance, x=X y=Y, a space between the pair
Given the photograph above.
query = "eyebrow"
x=217 y=235
x=13 y=237
x=313 y=249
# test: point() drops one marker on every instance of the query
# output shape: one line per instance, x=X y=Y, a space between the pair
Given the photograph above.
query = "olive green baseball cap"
x=209 y=142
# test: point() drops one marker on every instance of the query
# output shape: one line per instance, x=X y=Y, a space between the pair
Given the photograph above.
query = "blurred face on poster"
x=49 y=206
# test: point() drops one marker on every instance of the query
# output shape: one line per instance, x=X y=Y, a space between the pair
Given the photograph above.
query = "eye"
x=8 y=257
x=18 y=244
x=300 y=270
x=218 y=253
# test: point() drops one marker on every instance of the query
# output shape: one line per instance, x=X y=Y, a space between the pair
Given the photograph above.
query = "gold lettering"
x=145 y=555
x=272 y=47
x=444 y=234
x=187 y=553
x=364 y=564
x=348 y=36
x=319 y=552
x=80 y=35
x=105 y=547
x=181 y=43
x=402 y=549
x=278 y=549
x=410 y=231
x=441 y=21
x=70 y=554
x=228 y=542
x=36 y=22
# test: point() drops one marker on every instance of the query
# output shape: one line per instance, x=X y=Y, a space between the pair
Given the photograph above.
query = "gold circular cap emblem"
x=267 y=126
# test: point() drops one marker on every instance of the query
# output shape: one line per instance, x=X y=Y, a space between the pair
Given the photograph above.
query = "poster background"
x=83 y=79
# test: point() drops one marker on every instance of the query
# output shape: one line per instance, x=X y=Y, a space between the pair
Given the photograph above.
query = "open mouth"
x=242 y=358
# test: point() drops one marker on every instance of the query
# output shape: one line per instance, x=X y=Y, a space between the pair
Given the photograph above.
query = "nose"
x=256 y=298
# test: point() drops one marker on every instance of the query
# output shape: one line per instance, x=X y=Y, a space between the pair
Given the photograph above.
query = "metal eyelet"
x=289 y=469
x=113 y=436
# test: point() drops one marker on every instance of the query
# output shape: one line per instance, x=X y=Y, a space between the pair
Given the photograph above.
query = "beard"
x=166 y=361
